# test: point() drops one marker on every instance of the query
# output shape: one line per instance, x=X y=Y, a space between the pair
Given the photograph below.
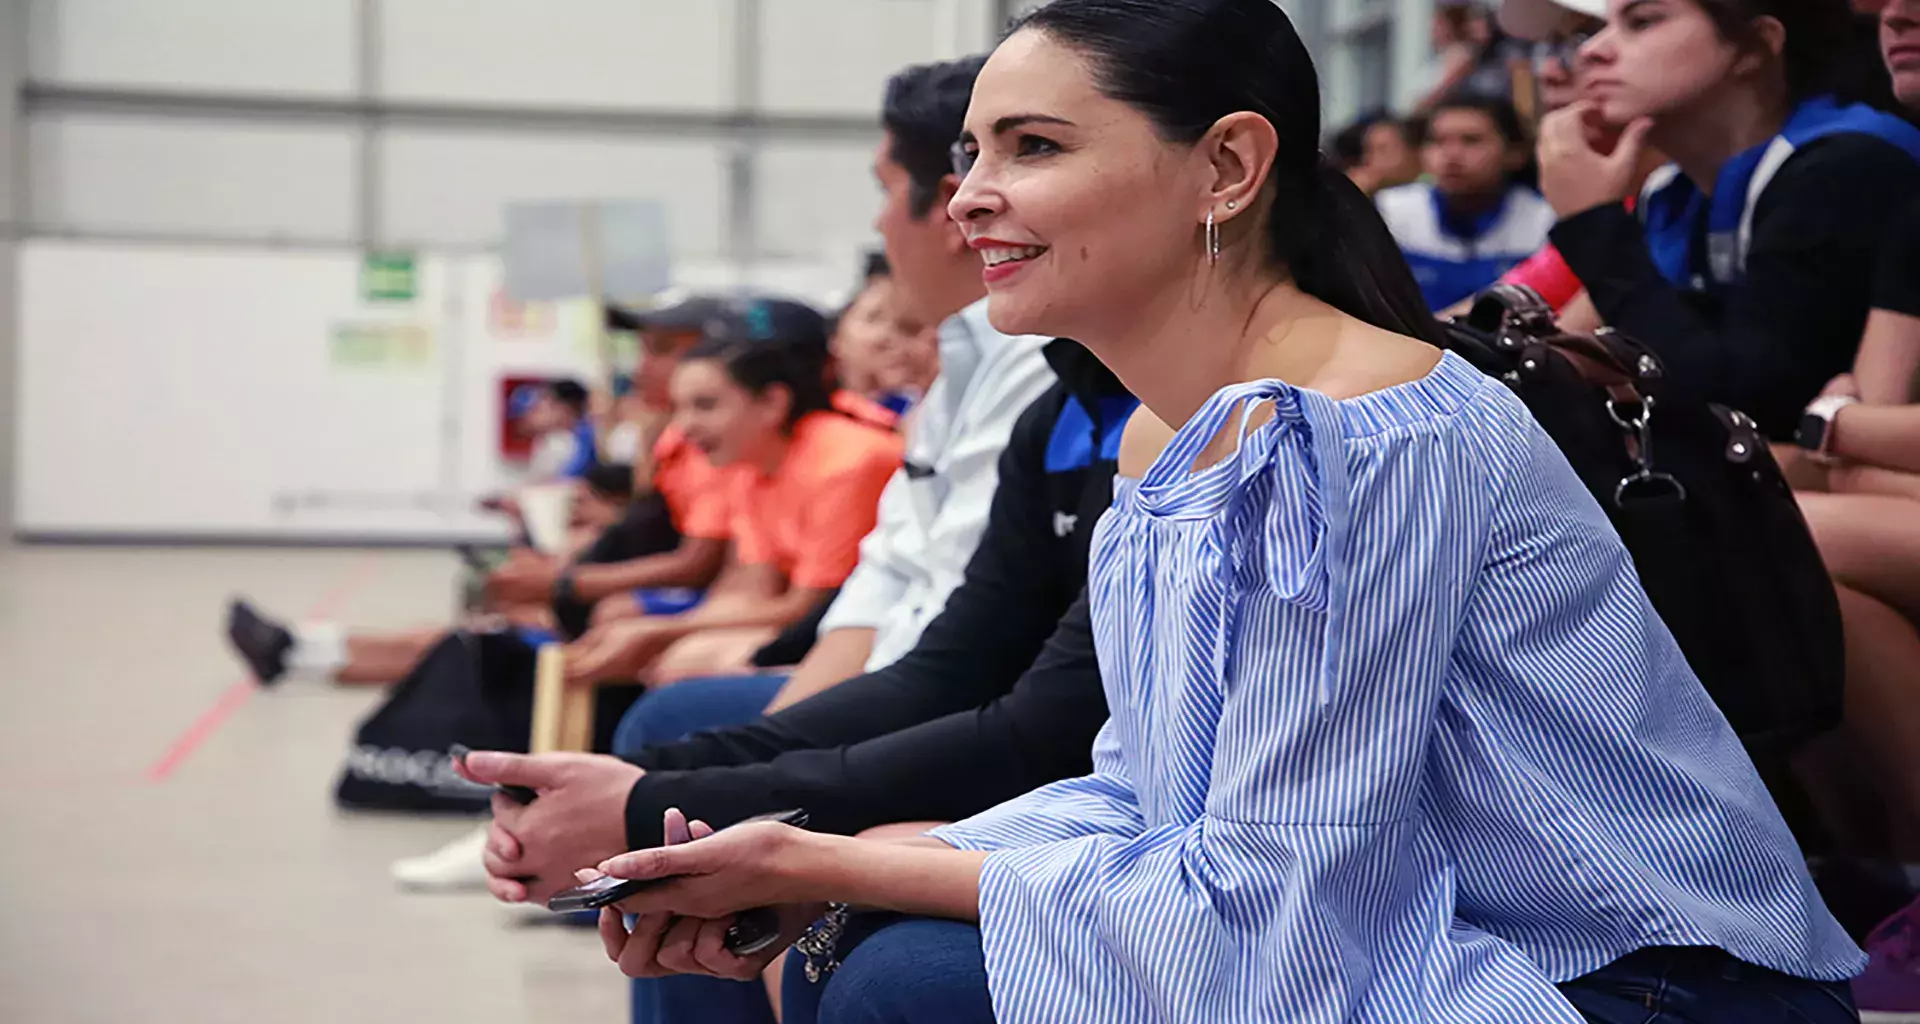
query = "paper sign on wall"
x=361 y=345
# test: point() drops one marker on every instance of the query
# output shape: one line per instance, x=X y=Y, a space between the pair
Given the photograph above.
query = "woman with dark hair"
x=1749 y=262
x=803 y=490
x=1396 y=735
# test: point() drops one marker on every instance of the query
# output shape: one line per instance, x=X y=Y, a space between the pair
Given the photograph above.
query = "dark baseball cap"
x=704 y=313
x=750 y=319
x=783 y=321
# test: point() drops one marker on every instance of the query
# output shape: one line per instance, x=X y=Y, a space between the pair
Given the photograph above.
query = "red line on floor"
x=231 y=698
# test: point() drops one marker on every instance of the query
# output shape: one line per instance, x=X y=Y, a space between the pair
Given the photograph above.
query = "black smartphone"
x=518 y=794
x=605 y=892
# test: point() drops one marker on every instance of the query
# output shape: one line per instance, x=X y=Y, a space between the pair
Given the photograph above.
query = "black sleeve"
x=1898 y=285
x=940 y=770
x=991 y=628
x=1796 y=320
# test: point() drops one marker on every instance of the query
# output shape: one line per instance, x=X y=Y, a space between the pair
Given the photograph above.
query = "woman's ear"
x=777 y=403
x=1768 y=42
x=1240 y=149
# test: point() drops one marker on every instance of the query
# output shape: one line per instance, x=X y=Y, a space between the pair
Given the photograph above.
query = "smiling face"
x=728 y=423
x=1078 y=209
x=878 y=346
x=1655 y=58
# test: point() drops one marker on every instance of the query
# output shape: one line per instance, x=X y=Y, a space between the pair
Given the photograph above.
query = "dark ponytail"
x=1186 y=64
x=1352 y=262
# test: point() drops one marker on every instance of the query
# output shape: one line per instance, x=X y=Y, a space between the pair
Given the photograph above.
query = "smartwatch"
x=1816 y=424
x=566 y=590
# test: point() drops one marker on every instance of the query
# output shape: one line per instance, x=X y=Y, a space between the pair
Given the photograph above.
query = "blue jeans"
x=920 y=971
x=894 y=969
x=662 y=716
x=694 y=705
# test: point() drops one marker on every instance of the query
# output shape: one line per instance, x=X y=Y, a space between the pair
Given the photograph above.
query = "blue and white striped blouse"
x=1396 y=737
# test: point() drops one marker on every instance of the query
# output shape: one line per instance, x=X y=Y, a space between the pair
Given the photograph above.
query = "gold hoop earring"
x=1213 y=240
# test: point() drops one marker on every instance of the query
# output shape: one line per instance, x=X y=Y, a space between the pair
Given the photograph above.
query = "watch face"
x=1812 y=432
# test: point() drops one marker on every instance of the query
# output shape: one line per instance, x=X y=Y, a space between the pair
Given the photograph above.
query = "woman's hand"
x=661 y=943
x=746 y=866
x=1585 y=163
x=762 y=864
x=693 y=945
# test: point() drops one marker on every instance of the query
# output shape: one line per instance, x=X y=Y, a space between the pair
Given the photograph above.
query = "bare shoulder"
x=1368 y=358
x=1145 y=438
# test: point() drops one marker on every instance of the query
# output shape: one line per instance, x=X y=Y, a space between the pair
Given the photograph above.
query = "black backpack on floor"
x=472 y=688
x=1714 y=531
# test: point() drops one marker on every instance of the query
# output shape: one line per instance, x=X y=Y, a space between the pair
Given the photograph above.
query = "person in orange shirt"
x=803 y=489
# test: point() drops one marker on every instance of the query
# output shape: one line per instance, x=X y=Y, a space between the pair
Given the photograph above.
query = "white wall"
x=191 y=392
x=834 y=56
x=202 y=174
x=300 y=48
x=670 y=54
x=536 y=74
x=114 y=173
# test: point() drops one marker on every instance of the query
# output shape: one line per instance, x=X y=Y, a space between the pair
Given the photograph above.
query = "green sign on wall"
x=388 y=277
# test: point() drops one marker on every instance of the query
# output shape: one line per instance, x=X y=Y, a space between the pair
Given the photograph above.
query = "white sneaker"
x=454 y=867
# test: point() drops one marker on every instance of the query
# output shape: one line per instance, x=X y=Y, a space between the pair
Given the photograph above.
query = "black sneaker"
x=262 y=642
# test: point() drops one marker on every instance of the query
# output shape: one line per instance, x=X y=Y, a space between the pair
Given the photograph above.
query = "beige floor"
x=229 y=891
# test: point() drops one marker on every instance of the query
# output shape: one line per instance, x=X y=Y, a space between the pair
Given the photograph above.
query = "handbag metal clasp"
x=1644 y=484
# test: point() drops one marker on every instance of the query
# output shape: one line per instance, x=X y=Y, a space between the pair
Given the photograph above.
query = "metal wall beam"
x=369 y=147
x=741 y=225
x=13 y=192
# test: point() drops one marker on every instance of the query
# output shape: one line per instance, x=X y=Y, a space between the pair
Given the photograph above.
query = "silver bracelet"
x=821 y=942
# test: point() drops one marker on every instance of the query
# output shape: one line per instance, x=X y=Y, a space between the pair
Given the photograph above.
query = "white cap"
x=1536 y=19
